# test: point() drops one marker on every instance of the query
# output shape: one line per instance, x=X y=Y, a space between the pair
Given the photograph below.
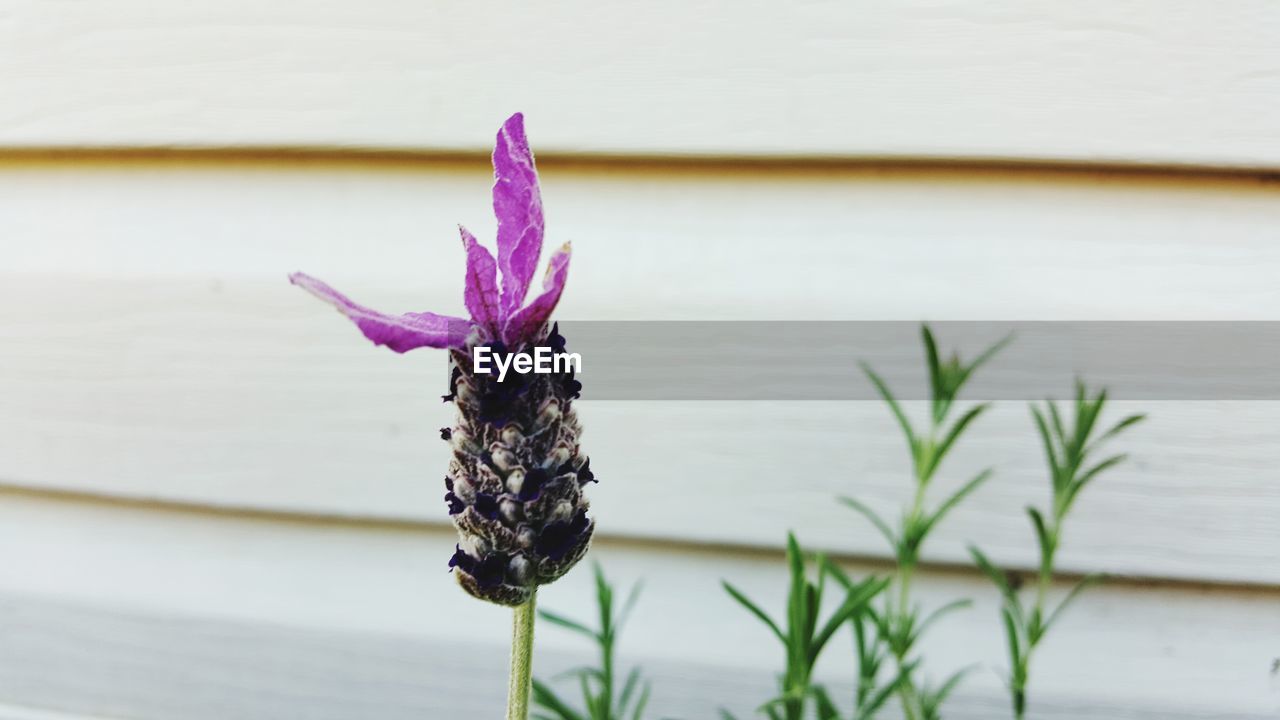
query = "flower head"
x=514 y=487
x=498 y=313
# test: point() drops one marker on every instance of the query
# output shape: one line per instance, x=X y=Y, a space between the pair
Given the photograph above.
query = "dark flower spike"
x=515 y=479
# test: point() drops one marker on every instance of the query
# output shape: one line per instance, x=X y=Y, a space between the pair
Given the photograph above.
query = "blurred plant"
x=806 y=635
x=515 y=479
x=893 y=631
x=603 y=699
x=1068 y=452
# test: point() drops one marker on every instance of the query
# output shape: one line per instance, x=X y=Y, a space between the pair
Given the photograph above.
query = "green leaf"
x=593 y=709
x=883 y=389
x=995 y=574
x=931 y=700
x=875 y=520
x=986 y=356
x=1050 y=454
x=830 y=568
x=939 y=453
x=546 y=697
x=604 y=602
x=937 y=614
x=937 y=383
x=628 y=687
x=1118 y=428
x=826 y=708
x=1088 y=415
x=726 y=715
x=1085 y=583
x=1044 y=538
x=642 y=703
x=799 y=602
x=869 y=709
x=954 y=500
x=754 y=609
x=855 y=601
x=568 y=624
x=628 y=605
x=1058 y=427
x=1011 y=634
x=1091 y=473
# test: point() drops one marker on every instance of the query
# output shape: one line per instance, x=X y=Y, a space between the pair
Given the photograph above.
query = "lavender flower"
x=514 y=485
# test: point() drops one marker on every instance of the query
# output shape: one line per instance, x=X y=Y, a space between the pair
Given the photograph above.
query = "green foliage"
x=601 y=694
x=1069 y=454
x=803 y=634
x=894 y=631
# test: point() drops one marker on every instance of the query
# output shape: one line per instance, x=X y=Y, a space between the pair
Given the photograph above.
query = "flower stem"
x=521 y=660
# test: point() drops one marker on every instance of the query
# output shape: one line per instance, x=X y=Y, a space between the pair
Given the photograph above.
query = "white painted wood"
x=153 y=349
x=17 y=712
x=1150 y=81
x=155 y=614
x=672 y=243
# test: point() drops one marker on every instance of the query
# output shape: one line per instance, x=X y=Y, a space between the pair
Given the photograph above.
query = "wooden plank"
x=152 y=348
x=17 y=712
x=1153 y=81
x=141 y=613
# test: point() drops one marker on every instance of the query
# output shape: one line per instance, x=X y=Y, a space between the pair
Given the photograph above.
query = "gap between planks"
x=1025 y=169
x=115 y=500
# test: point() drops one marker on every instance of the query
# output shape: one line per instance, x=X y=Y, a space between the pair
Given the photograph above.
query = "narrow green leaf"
x=877 y=701
x=856 y=600
x=566 y=623
x=604 y=603
x=628 y=687
x=1118 y=428
x=547 y=698
x=1050 y=454
x=830 y=568
x=1085 y=583
x=1058 y=427
x=952 y=435
x=1011 y=634
x=875 y=520
x=1093 y=472
x=589 y=699
x=986 y=356
x=992 y=573
x=1089 y=416
x=642 y=703
x=883 y=389
x=950 y=685
x=628 y=605
x=937 y=384
x=826 y=708
x=954 y=500
x=754 y=610
x=1043 y=537
x=940 y=612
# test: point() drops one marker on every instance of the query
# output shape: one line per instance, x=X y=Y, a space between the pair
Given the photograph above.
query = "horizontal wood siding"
x=1161 y=82
x=134 y=612
x=154 y=350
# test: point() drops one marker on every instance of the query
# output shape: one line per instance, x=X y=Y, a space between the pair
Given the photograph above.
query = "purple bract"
x=498 y=314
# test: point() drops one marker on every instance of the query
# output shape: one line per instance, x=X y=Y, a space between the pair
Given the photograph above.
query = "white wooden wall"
x=216 y=501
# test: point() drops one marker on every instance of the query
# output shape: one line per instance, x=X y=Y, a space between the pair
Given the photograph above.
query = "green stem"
x=521 y=660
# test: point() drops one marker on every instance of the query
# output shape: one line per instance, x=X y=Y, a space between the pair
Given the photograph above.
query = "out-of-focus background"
x=217 y=501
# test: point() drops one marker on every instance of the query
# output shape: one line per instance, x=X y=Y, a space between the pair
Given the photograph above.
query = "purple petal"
x=400 y=333
x=524 y=324
x=518 y=207
x=481 y=293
